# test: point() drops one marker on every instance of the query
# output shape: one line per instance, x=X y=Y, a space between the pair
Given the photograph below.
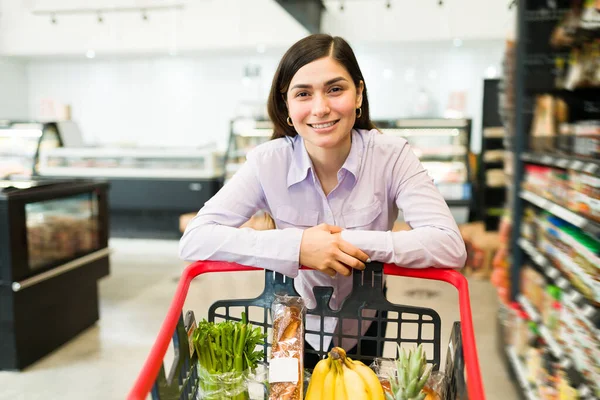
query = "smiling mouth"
x=325 y=125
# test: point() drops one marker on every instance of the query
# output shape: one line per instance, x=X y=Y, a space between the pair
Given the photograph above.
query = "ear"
x=359 y=93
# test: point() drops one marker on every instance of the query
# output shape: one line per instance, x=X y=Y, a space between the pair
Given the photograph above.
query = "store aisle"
x=103 y=362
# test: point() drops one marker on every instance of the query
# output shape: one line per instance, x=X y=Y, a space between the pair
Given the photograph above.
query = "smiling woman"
x=334 y=186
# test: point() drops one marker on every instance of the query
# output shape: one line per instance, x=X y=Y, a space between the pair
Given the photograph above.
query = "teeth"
x=322 y=126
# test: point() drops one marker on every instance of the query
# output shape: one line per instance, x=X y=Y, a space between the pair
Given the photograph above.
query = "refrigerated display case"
x=22 y=142
x=53 y=249
x=150 y=187
x=245 y=134
x=443 y=146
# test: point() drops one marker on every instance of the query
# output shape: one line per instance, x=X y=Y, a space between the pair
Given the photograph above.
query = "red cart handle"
x=151 y=367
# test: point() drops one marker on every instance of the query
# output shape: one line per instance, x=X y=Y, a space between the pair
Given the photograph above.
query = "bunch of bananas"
x=340 y=378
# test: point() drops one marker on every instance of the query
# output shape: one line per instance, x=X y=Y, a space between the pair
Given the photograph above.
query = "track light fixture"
x=144 y=15
x=53 y=19
x=388 y=4
x=341 y=6
x=100 y=19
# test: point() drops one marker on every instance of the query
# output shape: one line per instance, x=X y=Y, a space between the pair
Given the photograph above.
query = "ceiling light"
x=144 y=15
x=457 y=42
x=341 y=6
x=53 y=19
x=100 y=19
x=388 y=4
x=90 y=54
x=491 y=72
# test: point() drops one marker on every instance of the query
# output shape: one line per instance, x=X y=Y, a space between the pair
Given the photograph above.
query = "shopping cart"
x=181 y=382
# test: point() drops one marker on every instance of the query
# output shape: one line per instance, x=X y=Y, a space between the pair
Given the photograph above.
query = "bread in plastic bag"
x=286 y=365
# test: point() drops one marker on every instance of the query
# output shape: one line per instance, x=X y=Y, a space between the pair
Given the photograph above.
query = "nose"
x=320 y=106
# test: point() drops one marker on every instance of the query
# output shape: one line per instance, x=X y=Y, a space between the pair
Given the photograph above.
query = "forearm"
x=276 y=250
x=418 y=248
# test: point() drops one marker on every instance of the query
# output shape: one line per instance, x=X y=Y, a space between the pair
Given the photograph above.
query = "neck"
x=327 y=162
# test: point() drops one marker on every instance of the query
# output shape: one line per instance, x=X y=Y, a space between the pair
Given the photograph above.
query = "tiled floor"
x=103 y=362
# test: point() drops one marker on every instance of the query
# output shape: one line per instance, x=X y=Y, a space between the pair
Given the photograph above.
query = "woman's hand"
x=322 y=248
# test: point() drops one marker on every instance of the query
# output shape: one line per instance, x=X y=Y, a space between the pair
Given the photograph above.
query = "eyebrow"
x=329 y=82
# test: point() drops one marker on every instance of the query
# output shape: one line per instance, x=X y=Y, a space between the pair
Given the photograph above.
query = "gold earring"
x=289 y=121
x=359 y=112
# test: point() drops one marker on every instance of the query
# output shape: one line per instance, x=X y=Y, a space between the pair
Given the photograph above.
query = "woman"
x=333 y=184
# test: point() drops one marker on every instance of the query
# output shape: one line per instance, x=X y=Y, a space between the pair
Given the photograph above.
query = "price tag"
x=584 y=391
x=547 y=160
x=575 y=296
x=577 y=165
x=589 y=311
x=540 y=260
x=284 y=370
x=562 y=163
x=562 y=283
x=552 y=273
x=591 y=168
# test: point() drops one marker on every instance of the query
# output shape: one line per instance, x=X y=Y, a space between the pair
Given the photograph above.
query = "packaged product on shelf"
x=585 y=194
x=521 y=333
x=529 y=224
x=533 y=354
x=551 y=312
x=559 y=187
x=286 y=366
x=532 y=286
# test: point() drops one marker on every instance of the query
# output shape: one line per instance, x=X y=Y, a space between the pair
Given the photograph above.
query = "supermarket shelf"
x=588 y=310
x=530 y=309
x=583 y=223
x=519 y=369
x=576 y=163
x=555 y=347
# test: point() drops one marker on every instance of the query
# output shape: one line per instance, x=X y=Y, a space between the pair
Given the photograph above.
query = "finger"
x=330 y=228
x=353 y=251
x=329 y=271
x=350 y=261
x=340 y=268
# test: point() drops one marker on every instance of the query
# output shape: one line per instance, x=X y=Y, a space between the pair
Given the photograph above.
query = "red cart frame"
x=152 y=366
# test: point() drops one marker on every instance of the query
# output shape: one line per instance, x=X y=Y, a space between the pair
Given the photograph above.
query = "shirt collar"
x=301 y=162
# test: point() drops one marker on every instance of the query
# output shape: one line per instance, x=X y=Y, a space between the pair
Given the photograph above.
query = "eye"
x=335 y=89
x=301 y=94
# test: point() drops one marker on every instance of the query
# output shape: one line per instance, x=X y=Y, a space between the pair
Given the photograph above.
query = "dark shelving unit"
x=535 y=74
x=491 y=198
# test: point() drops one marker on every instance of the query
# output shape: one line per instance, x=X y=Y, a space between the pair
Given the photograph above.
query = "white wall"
x=14 y=91
x=190 y=100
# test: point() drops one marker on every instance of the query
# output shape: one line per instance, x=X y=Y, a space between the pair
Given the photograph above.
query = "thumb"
x=333 y=228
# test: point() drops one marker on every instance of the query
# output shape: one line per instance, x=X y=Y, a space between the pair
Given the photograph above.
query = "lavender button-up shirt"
x=380 y=176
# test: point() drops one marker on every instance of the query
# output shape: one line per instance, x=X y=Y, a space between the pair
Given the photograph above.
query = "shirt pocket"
x=362 y=217
x=292 y=217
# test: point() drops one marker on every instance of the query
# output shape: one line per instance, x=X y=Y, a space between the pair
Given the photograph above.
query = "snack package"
x=286 y=365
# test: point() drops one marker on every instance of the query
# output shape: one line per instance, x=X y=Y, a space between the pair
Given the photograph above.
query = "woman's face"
x=322 y=100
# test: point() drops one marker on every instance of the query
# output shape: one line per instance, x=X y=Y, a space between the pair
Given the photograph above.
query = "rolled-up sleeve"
x=214 y=233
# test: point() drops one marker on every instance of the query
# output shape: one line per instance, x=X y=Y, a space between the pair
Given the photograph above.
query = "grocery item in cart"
x=340 y=377
x=286 y=365
x=226 y=355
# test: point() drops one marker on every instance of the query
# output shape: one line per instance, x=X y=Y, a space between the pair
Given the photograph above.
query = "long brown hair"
x=303 y=52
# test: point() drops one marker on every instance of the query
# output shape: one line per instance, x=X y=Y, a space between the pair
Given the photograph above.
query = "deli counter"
x=53 y=250
x=150 y=187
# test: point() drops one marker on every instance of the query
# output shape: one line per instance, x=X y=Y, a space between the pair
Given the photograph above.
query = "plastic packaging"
x=228 y=385
x=286 y=366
